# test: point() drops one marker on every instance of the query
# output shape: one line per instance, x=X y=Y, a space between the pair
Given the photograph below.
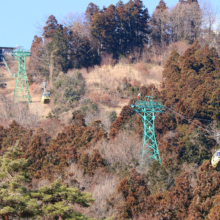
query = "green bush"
x=88 y=106
x=197 y=147
x=69 y=90
x=112 y=116
x=131 y=90
x=158 y=178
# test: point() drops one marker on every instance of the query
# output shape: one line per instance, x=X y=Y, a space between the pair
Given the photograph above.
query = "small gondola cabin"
x=216 y=159
x=45 y=98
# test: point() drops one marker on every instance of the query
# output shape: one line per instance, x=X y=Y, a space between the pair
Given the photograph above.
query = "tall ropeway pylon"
x=22 y=90
x=148 y=110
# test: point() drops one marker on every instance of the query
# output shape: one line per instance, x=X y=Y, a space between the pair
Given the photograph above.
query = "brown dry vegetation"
x=108 y=168
x=110 y=78
x=108 y=100
x=91 y=137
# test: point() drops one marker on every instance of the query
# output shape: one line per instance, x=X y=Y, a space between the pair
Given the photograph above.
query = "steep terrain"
x=36 y=107
x=5 y=77
x=106 y=162
x=110 y=88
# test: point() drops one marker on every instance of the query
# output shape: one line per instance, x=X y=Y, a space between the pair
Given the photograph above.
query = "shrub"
x=125 y=114
x=69 y=88
x=197 y=147
x=112 y=116
x=88 y=106
x=122 y=153
x=158 y=178
x=135 y=192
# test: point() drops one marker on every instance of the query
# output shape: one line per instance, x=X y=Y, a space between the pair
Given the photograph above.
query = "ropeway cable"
x=72 y=93
x=116 y=103
x=48 y=64
x=190 y=121
x=200 y=119
x=171 y=114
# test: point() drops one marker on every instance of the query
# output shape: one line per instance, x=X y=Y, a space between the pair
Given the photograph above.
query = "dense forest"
x=121 y=30
x=86 y=171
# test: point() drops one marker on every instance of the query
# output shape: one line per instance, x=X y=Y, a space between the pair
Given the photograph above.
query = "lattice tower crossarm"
x=148 y=110
x=22 y=90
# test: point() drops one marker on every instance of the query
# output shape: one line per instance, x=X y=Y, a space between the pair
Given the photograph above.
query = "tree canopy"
x=191 y=84
x=17 y=199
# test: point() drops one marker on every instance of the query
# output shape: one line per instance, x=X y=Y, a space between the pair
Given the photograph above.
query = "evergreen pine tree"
x=18 y=200
x=15 y=198
x=50 y=27
x=59 y=44
x=58 y=201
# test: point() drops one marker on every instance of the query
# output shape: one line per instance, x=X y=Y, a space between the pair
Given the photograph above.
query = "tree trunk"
x=5 y=217
x=51 y=67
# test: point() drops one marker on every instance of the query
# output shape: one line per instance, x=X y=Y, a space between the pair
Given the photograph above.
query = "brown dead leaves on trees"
x=134 y=191
x=48 y=156
x=191 y=85
x=184 y=202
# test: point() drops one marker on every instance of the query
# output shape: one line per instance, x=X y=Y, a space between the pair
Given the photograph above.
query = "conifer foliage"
x=58 y=201
x=18 y=200
x=15 y=199
x=50 y=27
x=135 y=191
x=185 y=202
x=119 y=29
x=192 y=82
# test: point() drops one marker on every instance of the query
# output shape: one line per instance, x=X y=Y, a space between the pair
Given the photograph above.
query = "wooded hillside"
x=55 y=163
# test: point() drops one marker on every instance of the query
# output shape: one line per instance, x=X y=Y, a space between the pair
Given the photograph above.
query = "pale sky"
x=19 y=18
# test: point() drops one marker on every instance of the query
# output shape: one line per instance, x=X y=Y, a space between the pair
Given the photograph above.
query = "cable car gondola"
x=216 y=159
x=46 y=95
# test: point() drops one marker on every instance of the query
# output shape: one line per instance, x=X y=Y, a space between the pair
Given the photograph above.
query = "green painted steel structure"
x=148 y=110
x=22 y=91
x=12 y=75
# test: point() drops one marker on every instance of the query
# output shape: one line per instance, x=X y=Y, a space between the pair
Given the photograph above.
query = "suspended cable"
x=48 y=64
x=189 y=120
x=74 y=94
x=200 y=119
x=186 y=123
x=127 y=97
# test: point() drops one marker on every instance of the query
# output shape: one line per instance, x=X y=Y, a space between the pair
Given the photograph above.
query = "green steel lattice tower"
x=22 y=91
x=148 y=110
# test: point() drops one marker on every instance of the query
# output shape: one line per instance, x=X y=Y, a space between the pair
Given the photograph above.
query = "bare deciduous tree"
x=18 y=112
x=123 y=151
x=6 y=107
x=210 y=16
x=24 y=117
x=70 y=19
x=160 y=34
x=185 y=21
x=210 y=24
